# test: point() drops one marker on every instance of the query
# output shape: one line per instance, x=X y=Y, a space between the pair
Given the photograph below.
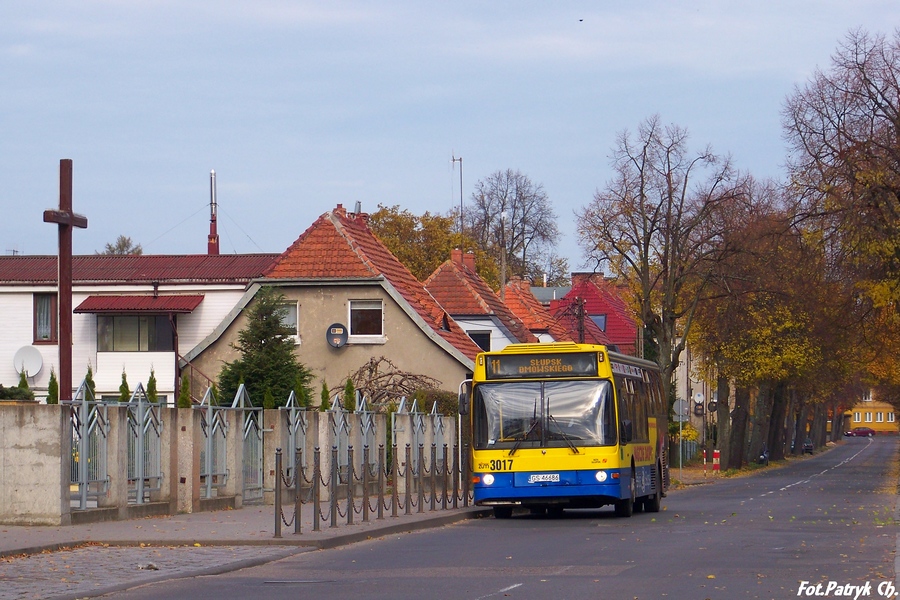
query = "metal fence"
x=430 y=482
x=144 y=447
x=89 y=429
x=214 y=426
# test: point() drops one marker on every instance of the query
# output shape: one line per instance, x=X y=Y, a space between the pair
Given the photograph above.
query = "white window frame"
x=293 y=308
x=879 y=417
x=868 y=417
x=365 y=304
x=857 y=417
x=890 y=417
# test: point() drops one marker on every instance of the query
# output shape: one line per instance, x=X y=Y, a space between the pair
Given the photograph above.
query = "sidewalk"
x=252 y=525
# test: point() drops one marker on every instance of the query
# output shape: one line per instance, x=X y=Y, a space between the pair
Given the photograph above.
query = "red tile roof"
x=340 y=245
x=464 y=293
x=577 y=322
x=113 y=269
x=600 y=298
x=140 y=304
x=533 y=314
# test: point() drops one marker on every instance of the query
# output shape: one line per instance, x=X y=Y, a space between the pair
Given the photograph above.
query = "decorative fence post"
x=278 y=473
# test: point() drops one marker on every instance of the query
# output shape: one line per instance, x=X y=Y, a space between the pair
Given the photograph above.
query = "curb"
x=319 y=543
x=289 y=547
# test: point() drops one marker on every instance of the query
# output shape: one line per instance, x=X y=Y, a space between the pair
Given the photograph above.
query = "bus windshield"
x=535 y=414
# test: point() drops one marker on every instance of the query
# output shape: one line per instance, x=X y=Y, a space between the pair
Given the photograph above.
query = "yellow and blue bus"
x=566 y=425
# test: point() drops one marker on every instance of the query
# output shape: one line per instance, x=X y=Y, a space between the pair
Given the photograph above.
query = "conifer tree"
x=124 y=392
x=325 y=402
x=23 y=380
x=53 y=388
x=184 y=397
x=349 y=395
x=152 y=392
x=89 y=383
x=266 y=347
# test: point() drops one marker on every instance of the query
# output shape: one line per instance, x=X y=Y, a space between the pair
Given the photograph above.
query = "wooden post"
x=66 y=220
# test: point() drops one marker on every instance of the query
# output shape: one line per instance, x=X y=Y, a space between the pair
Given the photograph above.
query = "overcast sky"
x=299 y=106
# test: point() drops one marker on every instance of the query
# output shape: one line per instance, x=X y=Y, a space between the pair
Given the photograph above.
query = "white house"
x=132 y=314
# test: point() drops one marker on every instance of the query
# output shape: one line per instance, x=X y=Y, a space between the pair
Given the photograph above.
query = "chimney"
x=469 y=260
x=212 y=242
x=456 y=256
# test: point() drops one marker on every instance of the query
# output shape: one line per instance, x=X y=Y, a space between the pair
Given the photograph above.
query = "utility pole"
x=503 y=256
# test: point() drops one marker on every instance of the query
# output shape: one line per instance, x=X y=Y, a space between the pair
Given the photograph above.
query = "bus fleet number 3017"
x=505 y=464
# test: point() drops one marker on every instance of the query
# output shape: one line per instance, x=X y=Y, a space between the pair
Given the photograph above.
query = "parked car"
x=807 y=446
x=860 y=432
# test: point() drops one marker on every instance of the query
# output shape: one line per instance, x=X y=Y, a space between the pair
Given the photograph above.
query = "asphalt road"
x=827 y=519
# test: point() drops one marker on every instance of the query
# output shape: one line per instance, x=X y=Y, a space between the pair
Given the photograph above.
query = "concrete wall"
x=34 y=464
x=36 y=453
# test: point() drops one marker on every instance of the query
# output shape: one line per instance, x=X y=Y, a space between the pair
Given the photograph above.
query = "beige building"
x=351 y=301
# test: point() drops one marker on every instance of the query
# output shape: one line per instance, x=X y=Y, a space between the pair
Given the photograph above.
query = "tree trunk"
x=837 y=421
x=739 y=418
x=800 y=427
x=776 y=426
x=819 y=430
x=762 y=418
x=723 y=420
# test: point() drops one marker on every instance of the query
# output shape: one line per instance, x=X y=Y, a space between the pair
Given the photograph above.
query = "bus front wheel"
x=502 y=512
x=625 y=508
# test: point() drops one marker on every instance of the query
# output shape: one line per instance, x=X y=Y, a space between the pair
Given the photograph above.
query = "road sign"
x=681 y=410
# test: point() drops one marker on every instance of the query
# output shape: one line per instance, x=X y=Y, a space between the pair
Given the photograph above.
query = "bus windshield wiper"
x=553 y=420
x=534 y=423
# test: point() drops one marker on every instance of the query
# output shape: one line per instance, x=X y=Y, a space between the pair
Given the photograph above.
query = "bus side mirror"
x=465 y=390
x=627 y=433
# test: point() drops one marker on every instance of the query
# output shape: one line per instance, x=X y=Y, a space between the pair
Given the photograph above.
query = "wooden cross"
x=66 y=220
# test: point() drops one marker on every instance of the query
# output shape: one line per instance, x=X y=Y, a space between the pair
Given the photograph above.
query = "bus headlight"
x=488 y=479
x=601 y=476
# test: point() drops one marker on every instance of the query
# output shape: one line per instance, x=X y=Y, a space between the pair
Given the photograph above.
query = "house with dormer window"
x=486 y=319
x=593 y=304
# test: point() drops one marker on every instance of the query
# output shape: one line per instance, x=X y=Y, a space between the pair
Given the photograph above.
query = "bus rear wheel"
x=653 y=501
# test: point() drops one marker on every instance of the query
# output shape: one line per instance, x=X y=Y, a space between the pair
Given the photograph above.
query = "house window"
x=45 y=315
x=868 y=417
x=890 y=417
x=482 y=338
x=366 y=320
x=126 y=333
x=857 y=417
x=290 y=318
x=879 y=417
x=599 y=321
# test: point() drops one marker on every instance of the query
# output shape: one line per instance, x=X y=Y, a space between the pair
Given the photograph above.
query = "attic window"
x=599 y=321
x=445 y=323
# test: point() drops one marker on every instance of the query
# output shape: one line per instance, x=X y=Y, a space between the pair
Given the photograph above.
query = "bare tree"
x=656 y=226
x=511 y=217
x=843 y=127
x=122 y=246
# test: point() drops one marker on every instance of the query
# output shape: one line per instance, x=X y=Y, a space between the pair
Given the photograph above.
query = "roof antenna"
x=212 y=242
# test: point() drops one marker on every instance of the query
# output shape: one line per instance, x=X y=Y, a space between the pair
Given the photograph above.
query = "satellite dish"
x=29 y=360
x=336 y=335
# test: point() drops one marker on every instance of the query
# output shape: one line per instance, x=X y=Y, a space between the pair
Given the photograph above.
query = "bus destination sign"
x=540 y=366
